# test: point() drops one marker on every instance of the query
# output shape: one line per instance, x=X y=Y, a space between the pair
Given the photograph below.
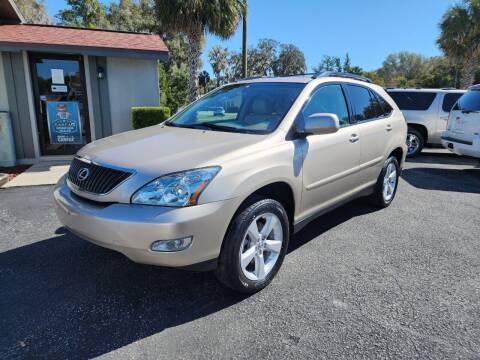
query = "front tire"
x=387 y=184
x=254 y=246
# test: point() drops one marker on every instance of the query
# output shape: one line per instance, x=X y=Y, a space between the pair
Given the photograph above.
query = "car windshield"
x=469 y=102
x=256 y=108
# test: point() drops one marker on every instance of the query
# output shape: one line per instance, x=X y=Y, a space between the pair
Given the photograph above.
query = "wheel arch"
x=398 y=153
x=420 y=128
x=280 y=191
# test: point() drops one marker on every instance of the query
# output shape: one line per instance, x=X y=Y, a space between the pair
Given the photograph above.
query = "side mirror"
x=321 y=123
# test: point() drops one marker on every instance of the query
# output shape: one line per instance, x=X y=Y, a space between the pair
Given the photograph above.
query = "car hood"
x=162 y=149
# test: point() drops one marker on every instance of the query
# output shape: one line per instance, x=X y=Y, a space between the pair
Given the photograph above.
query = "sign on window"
x=64 y=124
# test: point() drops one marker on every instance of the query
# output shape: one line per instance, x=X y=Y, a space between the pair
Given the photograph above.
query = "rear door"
x=374 y=126
x=464 y=121
x=447 y=100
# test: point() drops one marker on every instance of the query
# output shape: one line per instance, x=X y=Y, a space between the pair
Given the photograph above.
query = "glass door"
x=61 y=102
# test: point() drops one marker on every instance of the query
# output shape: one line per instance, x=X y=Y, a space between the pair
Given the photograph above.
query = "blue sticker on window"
x=64 y=124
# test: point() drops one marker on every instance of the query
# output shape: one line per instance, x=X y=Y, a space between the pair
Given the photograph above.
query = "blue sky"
x=368 y=30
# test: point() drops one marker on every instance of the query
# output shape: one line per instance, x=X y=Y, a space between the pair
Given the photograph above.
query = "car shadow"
x=330 y=220
x=66 y=298
x=457 y=180
x=443 y=159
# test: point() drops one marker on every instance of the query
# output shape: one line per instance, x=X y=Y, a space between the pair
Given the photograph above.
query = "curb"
x=3 y=179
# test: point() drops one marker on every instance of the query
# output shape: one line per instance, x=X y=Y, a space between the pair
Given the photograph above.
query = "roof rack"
x=344 y=75
x=317 y=75
x=275 y=76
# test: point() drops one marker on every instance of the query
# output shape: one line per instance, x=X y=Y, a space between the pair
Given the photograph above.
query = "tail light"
x=449 y=121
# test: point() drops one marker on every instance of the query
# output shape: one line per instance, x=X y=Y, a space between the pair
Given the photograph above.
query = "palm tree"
x=218 y=58
x=194 y=18
x=244 y=41
x=203 y=80
x=460 y=38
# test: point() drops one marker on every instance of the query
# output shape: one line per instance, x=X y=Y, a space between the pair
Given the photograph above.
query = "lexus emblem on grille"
x=83 y=174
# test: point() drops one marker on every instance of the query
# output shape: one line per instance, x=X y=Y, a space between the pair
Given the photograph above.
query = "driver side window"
x=328 y=99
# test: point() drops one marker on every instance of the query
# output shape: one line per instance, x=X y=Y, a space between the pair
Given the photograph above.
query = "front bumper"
x=131 y=229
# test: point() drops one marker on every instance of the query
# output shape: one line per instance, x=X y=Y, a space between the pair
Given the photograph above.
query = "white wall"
x=131 y=82
x=3 y=88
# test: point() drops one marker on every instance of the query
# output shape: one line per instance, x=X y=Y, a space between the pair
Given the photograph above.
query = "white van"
x=462 y=136
x=426 y=112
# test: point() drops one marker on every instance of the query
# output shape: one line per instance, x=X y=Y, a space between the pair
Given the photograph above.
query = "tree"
x=235 y=62
x=402 y=69
x=460 y=38
x=263 y=57
x=244 y=40
x=129 y=15
x=173 y=74
x=335 y=63
x=290 y=61
x=194 y=18
x=438 y=72
x=328 y=63
x=218 y=58
x=34 y=12
x=204 y=80
x=84 y=13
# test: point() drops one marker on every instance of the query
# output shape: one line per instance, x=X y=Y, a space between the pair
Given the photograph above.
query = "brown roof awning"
x=80 y=40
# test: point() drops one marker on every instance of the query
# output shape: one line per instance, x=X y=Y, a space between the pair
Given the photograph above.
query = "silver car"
x=426 y=112
x=225 y=193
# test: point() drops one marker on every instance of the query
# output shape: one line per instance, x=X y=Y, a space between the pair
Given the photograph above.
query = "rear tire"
x=387 y=184
x=254 y=247
x=415 y=142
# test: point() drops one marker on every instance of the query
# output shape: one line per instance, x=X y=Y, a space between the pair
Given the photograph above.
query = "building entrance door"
x=60 y=103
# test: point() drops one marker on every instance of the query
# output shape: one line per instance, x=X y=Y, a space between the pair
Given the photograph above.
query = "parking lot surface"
x=403 y=282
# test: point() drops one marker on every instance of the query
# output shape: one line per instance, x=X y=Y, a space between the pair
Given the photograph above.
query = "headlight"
x=177 y=189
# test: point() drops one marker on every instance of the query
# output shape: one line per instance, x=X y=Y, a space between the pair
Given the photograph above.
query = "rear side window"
x=449 y=100
x=413 y=100
x=469 y=101
x=386 y=108
x=365 y=106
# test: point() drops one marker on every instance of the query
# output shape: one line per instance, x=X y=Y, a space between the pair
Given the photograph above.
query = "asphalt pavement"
x=403 y=282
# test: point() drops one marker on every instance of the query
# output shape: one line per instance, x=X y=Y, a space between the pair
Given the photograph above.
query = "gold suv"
x=224 y=183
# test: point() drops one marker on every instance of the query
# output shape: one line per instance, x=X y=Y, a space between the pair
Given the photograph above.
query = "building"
x=64 y=87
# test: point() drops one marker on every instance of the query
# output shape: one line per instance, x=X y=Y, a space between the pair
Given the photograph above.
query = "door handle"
x=354 y=138
x=389 y=127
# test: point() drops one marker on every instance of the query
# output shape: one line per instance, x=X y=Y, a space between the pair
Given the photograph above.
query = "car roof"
x=445 y=90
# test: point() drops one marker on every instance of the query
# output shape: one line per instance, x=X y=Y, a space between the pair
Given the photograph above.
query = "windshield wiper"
x=215 y=127
x=212 y=126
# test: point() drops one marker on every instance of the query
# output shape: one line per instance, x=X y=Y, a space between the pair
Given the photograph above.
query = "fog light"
x=172 y=245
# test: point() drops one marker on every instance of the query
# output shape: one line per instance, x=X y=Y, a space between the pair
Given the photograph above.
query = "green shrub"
x=143 y=116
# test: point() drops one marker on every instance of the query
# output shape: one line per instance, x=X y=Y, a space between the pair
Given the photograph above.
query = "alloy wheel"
x=413 y=143
x=261 y=246
x=389 y=182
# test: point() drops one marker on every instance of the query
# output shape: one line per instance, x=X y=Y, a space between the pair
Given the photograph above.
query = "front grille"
x=96 y=179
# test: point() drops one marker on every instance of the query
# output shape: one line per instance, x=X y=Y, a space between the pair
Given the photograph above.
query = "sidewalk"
x=43 y=173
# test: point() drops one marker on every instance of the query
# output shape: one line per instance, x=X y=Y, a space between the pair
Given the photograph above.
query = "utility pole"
x=244 y=42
